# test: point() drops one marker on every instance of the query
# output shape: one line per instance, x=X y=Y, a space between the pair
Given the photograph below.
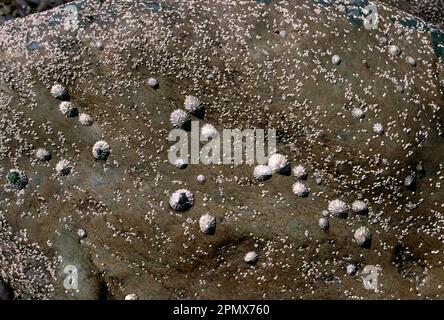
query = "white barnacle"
x=180 y=118
x=360 y=207
x=394 y=50
x=300 y=172
x=42 y=154
x=181 y=163
x=336 y=59
x=181 y=200
x=323 y=223
x=101 y=150
x=378 y=128
x=192 y=103
x=300 y=189
x=278 y=163
x=59 y=92
x=85 y=119
x=338 y=208
x=207 y=224
x=201 y=178
x=209 y=131
x=131 y=296
x=357 y=113
x=153 y=83
x=262 y=172
x=363 y=236
x=17 y=179
x=251 y=257
x=68 y=109
x=63 y=167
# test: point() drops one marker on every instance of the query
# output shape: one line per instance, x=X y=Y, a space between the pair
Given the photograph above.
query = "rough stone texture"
x=261 y=77
x=431 y=11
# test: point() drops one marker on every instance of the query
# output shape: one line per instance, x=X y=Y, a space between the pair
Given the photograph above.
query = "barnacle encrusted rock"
x=253 y=65
x=181 y=200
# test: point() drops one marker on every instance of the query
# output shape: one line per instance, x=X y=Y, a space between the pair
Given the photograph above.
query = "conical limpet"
x=394 y=50
x=59 y=92
x=262 y=172
x=42 y=154
x=63 y=167
x=357 y=113
x=207 y=224
x=153 y=83
x=351 y=269
x=209 y=131
x=181 y=200
x=17 y=178
x=192 y=104
x=81 y=233
x=363 y=237
x=181 y=164
x=180 y=119
x=101 y=150
x=378 y=128
x=251 y=257
x=336 y=60
x=411 y=61
x=131 y=296
x=299 y=172
x=359 y=207
x=323 y=223
x=300 y=189
x=85 y=119
x=68 y=109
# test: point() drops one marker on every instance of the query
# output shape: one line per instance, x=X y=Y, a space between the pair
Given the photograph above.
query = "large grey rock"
x=270 y=66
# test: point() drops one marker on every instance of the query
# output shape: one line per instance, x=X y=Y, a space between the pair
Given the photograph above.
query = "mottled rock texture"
x=252 y=64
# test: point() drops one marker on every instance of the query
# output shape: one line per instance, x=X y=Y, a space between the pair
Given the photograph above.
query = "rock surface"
x=252 y=64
